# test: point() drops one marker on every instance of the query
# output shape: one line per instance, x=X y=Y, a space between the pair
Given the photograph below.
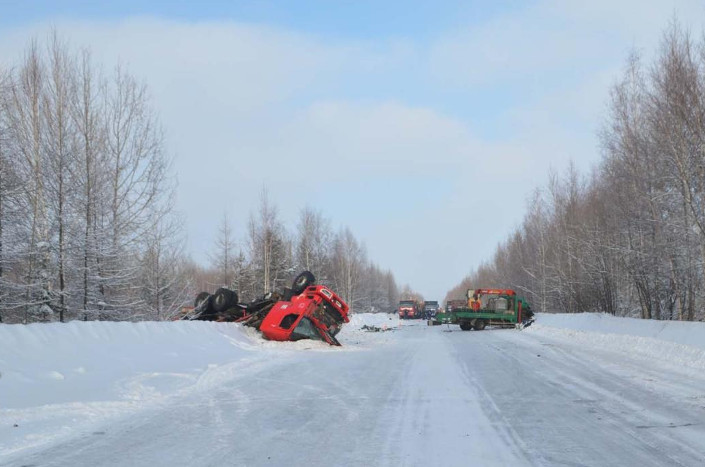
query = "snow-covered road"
x=417 y=395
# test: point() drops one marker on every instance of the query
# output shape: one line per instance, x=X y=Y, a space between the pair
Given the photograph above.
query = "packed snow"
x=168 y=393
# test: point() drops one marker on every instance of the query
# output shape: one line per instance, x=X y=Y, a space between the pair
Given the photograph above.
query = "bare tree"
x=165 y=285
x=24 y=112
x=270 y=249
x=224 y=257
x=348 y=260
x=58 y=140
x=9 y=192
x=313 y=244
x=86 y=112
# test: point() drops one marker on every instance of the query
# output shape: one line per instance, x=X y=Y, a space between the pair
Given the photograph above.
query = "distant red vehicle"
x=410 y=309
x=317 y=313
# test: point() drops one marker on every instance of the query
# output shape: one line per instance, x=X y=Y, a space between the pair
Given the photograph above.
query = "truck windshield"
x=407 y=303
x=306 y=330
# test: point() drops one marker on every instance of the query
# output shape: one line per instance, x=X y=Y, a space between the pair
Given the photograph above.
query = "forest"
x=629 y=238
x=88 y=227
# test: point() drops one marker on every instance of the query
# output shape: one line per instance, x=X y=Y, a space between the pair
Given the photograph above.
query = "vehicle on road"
x=410 y=309
x=488 y=307
x=430 y=309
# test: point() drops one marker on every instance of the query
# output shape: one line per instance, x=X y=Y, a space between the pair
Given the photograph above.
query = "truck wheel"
x=200 y=298
x=480 y=324
x=223 y=299
x=465 y=326
x=302 y=281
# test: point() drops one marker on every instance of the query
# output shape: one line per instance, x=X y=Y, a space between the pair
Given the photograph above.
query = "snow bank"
x=58 y=379
x=678 y=332
x=95 y=361
x=671 y=342
x=59 y=363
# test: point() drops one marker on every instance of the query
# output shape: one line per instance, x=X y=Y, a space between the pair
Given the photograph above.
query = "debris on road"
x=371 y=328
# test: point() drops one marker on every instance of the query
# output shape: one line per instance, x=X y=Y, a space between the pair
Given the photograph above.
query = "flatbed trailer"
x=488 y=307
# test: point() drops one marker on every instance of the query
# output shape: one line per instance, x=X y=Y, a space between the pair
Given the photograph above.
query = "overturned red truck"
x=304 y=311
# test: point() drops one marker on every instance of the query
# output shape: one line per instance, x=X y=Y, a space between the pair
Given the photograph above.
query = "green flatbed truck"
x=488 y=307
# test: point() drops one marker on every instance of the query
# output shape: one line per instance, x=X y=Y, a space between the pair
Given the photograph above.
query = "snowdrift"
x=90 y=361
x=93 y=361
x=674 y=342
x=679 y=332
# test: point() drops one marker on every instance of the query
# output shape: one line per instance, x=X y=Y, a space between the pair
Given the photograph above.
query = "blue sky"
x=416 y=113
x=351 y=19
x=413 y=22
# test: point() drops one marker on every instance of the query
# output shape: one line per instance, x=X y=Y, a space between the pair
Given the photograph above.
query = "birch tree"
x=165 y=286
x=58 y=140
x=24 y=111
x=271 y=255
x=225 y=257
x=313 y=244
x=348 y=259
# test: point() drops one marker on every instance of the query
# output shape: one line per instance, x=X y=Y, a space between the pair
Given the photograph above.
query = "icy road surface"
x=414 y=396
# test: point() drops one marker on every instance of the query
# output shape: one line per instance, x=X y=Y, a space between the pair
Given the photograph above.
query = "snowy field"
x=569 y=390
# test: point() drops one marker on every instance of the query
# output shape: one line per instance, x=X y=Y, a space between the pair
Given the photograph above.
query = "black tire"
x=223 y=299
x=465 y=326
x=302 y=281
x=200 y=298
x=480 y=324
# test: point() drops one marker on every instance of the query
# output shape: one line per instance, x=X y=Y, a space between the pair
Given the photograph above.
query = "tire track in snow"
x=440 y=415
x=572 y=409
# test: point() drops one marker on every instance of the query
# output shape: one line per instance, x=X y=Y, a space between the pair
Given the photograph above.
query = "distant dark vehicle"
x=430 y=309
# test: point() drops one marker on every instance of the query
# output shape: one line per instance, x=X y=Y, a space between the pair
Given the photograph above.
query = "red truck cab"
x=409 y=309
x=317 y=313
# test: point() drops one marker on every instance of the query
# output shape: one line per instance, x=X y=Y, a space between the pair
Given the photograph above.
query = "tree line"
x=629 y=238
x=87 y=226
x=84 y=191
x=270 y=256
